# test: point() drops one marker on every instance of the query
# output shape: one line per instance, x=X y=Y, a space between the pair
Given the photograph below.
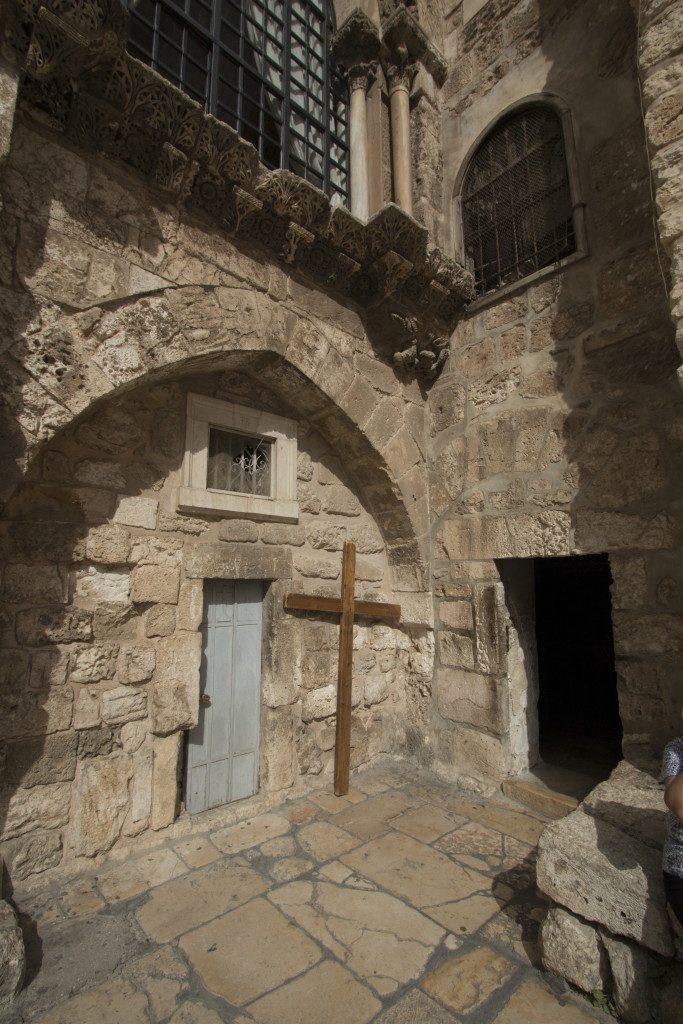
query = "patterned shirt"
x=672 y=764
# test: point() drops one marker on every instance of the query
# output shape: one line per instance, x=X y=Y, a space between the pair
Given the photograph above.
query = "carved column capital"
x=400 y=69
x=361 y=75
x=356 y=43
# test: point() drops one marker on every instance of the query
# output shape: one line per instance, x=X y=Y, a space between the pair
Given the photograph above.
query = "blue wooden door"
x=223 y=748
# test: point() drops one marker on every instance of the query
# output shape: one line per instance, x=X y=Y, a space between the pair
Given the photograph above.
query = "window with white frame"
x=238 y=462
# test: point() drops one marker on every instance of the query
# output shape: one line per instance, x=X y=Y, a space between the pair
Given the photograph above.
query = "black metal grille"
x=516 y=202
x=263 y=67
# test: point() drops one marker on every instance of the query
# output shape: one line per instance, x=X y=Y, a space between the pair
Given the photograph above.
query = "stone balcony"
x=79 y=79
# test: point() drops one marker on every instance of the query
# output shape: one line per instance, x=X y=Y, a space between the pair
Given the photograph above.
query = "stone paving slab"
x=408 y=903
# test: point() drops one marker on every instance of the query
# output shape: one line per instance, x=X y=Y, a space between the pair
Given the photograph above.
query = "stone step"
x=537 y=798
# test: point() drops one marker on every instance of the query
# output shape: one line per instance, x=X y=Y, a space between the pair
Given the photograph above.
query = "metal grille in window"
x=263 y=67
x=239 y=464
x=516 y=201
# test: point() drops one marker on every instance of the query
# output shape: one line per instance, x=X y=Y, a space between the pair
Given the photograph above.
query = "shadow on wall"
x=588 y=443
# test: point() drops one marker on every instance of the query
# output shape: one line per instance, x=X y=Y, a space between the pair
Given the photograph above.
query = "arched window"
x=261 y=66
x=516 y=200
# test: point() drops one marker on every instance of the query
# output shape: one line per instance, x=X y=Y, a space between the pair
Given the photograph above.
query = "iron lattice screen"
x=262 y=66
x=516 y=203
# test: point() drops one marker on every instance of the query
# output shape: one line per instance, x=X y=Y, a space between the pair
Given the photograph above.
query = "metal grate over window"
x=262 y=66
x=239 y=464
x=516 y=202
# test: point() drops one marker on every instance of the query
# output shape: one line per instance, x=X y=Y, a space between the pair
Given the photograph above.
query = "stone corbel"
x=401 y=29
x=356 y=49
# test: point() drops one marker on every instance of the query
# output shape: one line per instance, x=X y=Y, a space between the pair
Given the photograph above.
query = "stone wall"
x=101 y=605
x=113 y=306
x=556 y=427
x=660 y=68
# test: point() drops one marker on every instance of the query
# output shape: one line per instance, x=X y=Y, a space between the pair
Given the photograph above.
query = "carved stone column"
x=360 y=78
x=356 y=48
x=400 y=76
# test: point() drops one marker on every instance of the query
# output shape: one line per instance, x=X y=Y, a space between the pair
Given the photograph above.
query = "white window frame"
x=203 y=413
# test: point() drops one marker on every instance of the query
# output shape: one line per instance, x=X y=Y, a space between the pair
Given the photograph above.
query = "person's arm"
x=673 y=794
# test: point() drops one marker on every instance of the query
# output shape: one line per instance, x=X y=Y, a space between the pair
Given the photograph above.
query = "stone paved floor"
x=407 y=903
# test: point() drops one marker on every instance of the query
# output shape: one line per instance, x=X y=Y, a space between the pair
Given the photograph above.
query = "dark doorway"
x=579 y=724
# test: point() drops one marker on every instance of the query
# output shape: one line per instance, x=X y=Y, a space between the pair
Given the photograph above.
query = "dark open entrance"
x=578 y=711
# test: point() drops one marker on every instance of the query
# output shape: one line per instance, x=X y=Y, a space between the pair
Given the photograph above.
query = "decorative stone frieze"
x=113 y=105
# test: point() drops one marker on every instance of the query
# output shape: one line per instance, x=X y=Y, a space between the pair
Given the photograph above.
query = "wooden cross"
x=347 y=608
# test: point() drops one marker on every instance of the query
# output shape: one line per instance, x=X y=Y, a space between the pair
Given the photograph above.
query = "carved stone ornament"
x=356 y=41
x=113 y=105
x=402 y=71
x=404 y=42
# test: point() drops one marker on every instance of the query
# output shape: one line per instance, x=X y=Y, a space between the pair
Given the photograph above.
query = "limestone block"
x=136 y=663
x=190 y=605
x=114 y=621
x=47 y=711
x=160 y=620
x=37 y=627
x=151 y=584
x=156 y=551
x=140 y=512
x=141 y=798
x=108 y=545
x=175 y=693
x=604 y=875
x=123 y=704
x=610 y=531
x=469 y=697
x=457 y=615
x=339 y=501
x=101 y=802
x=14 y=668
x=32 y=854
x=12 y=956
x=319 y=703
x=40 y=760
x=376 y=689
x=48 y=668
x=133 y=735
x=647 y=634
x=167 y=751
x=283 y=533
x=329 y=538
x=181 y=523
x=278 y=767
x=238 y=531
x=93 y=663
x=112 y=585
x=416 y=609
x=87 y=709
x=29 y=810
x=630 y=800
x=238 y=562
x=39 y=584
x=100 y=473
x=572 y=949
x=317 y=568
x=631 y=968
x=95 y=742
x=455 y=650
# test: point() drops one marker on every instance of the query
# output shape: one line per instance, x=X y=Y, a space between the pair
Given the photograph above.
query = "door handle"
x=204 y=698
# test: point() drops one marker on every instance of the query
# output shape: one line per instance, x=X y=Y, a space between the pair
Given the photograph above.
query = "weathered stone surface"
x=30 y=810
x=604 y=875
x=631 y=969
x=190 y=605
x=464 y=983
x=93 y=663
x=469 y=697
x=123 y=704
x=166 y=776
x=12 y=956
x=136 y=512
x=136 y=663
x=234 y=561
x=87 y=709
x=108 y=545
x=37 y=852
x=41 y=760
x=320 y=703
x=24 y=584
x=572 y=949
x=95 y=584
x=327 y=993
x=250 y=833
x=160 y=620
x=38 y=626
x=175 y=688
x=263 y=948
x=154 y=584
x=101 y=802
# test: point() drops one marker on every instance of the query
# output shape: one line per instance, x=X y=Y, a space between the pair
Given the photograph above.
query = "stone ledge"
x=78 y=75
